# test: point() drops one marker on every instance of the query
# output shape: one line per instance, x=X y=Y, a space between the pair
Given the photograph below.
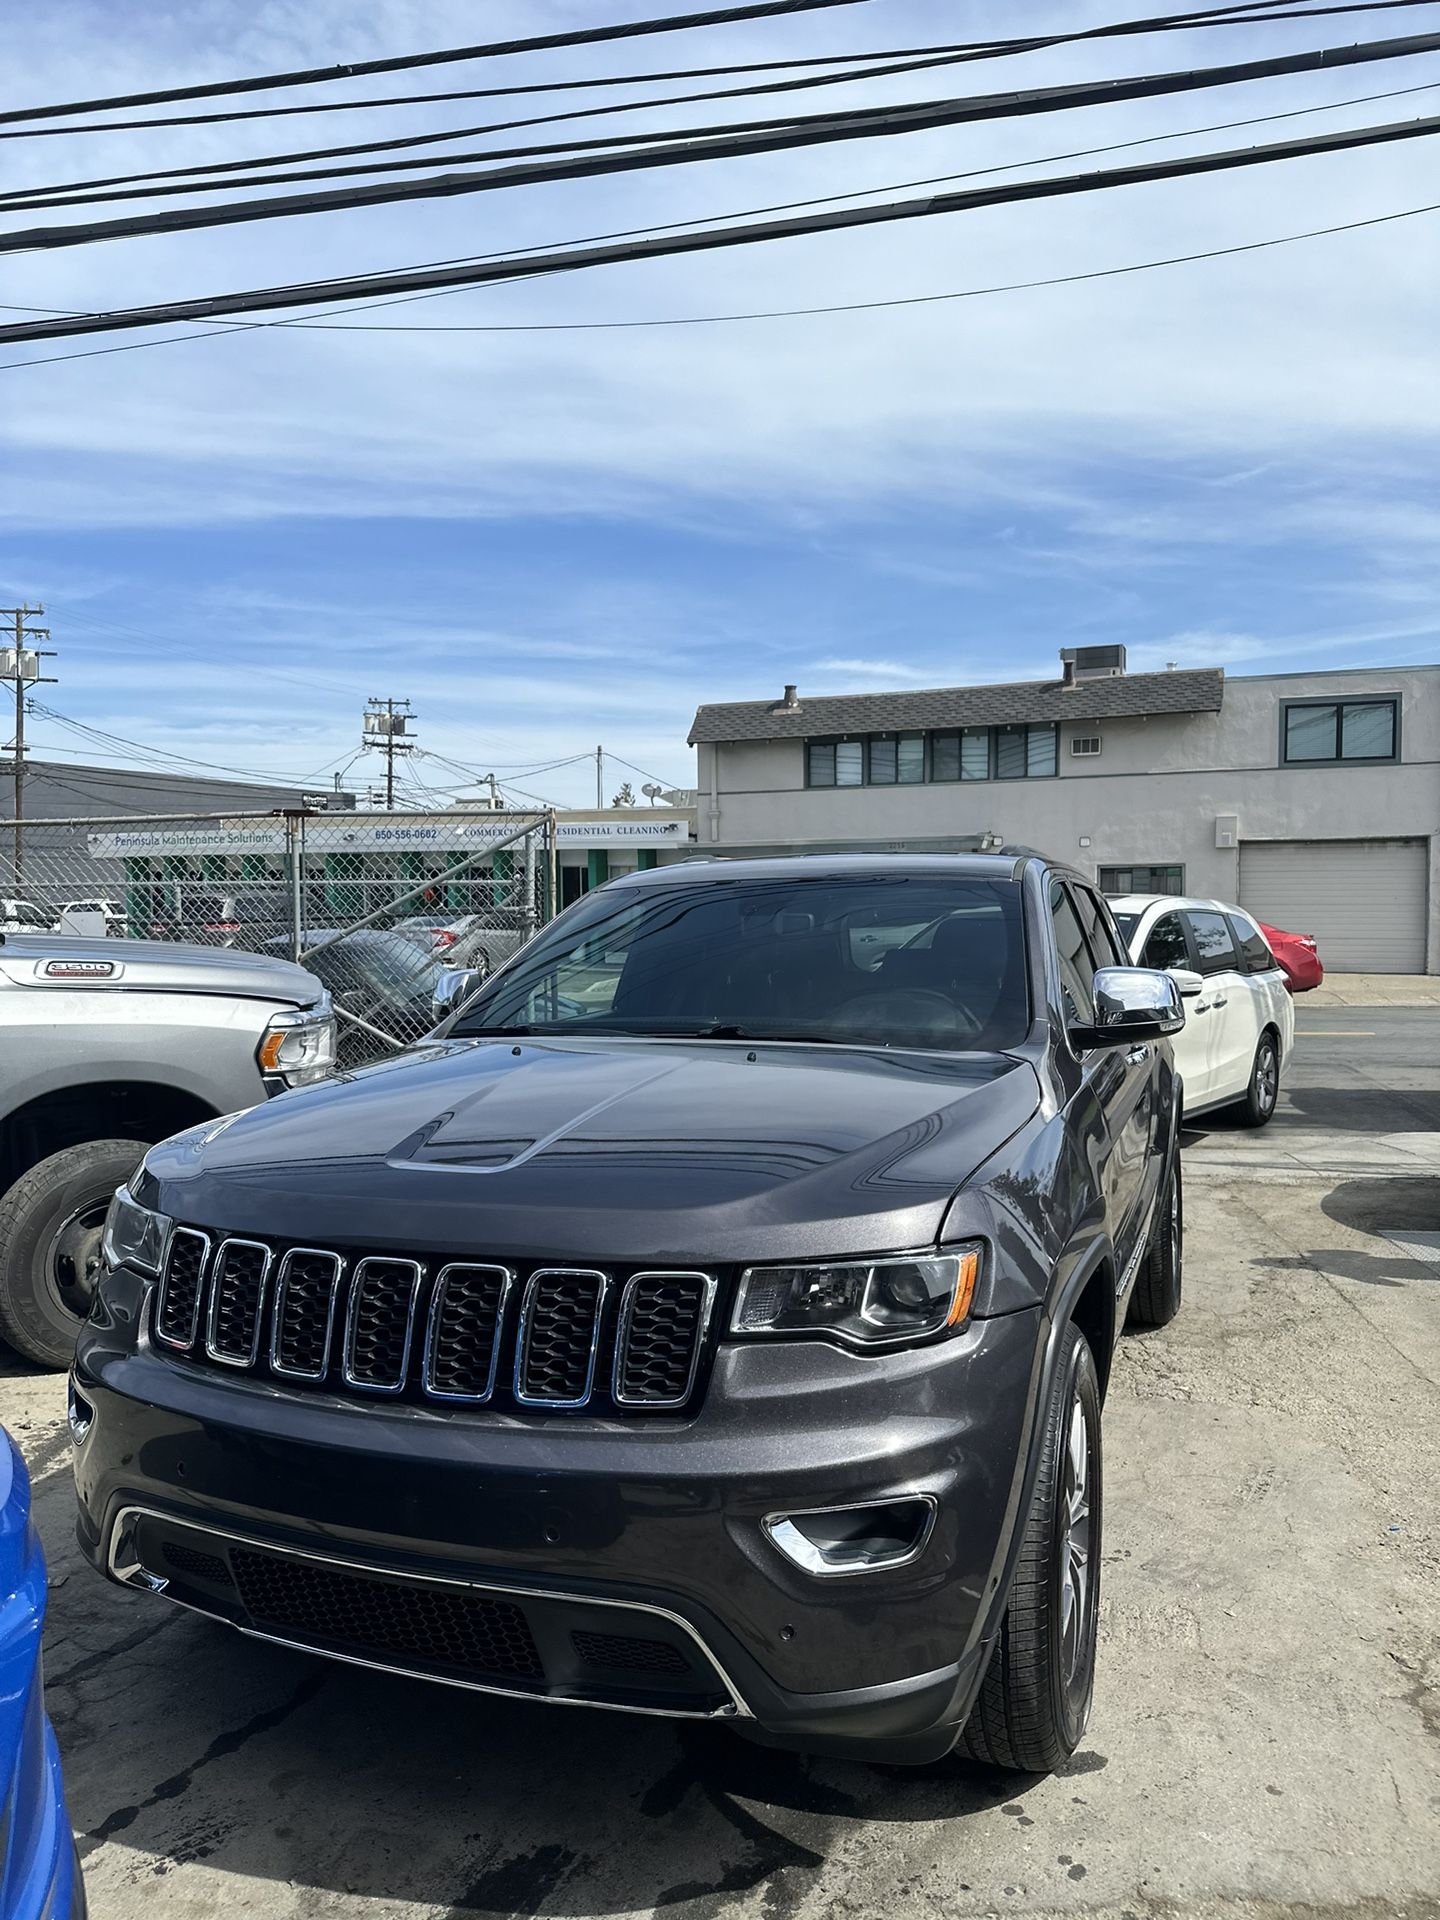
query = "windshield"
x=884 y=960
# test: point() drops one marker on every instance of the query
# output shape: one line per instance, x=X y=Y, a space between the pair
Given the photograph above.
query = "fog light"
x=869 y=1539
x=78 y=1411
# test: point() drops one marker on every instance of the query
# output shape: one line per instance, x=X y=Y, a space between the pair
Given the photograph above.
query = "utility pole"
x=21 y=664
x=386 y=725
x=599 y=776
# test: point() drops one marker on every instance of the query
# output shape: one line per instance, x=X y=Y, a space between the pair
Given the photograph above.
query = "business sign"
x=137 y=842
x=390 y=833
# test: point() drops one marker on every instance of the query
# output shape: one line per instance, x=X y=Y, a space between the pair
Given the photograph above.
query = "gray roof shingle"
x=1129 y=695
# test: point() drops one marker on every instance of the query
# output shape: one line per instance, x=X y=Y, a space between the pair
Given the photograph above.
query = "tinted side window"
x=1255 y=954
x=1077 y=969
x=1106 y=948
x=1165 y=944
x=1214 y=948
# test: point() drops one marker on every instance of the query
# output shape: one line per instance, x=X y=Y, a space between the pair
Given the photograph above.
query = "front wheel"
x=1258 y=1105
x=1034 y=1702
x=51 y=1223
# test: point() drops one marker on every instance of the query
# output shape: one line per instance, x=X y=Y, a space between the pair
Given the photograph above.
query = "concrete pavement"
x=1266 y=1731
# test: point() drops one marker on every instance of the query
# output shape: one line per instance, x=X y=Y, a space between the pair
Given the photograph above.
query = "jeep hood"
x=620 y=1150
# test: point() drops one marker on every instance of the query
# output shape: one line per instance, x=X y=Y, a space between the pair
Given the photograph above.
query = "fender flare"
x=1058 y=1313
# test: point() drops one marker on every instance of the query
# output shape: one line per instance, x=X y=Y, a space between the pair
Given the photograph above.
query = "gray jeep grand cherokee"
x=712 y=1320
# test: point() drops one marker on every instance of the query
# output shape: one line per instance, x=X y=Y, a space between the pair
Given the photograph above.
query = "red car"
x=1298 y=960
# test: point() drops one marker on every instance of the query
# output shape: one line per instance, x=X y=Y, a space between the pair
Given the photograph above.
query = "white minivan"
x=1239 y=1019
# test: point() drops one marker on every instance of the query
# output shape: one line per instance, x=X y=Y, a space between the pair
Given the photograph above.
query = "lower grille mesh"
x=621 y=1653
x=461 y=1630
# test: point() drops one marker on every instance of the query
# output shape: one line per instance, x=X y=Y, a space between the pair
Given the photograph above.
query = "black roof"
x=821 y=866
x=1123 y=696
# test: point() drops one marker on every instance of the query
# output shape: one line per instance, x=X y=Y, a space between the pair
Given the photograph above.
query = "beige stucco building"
x=1312 y=799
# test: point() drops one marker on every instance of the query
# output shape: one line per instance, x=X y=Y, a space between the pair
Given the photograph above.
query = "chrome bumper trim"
x=125 y=1567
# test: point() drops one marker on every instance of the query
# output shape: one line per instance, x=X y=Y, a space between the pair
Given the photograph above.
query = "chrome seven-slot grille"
x=463 y=1332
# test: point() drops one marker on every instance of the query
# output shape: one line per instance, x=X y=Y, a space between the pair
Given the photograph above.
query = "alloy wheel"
x=1267 y=1077
x=1076 y=1571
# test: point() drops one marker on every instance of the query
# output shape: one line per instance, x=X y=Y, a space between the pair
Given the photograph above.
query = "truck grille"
x=477 y=1333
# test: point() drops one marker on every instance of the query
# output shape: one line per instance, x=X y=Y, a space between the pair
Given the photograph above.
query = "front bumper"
x=423 y=1539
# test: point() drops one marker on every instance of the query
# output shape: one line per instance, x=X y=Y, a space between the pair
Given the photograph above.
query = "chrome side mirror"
x=1131 y=1004
x=454 y=988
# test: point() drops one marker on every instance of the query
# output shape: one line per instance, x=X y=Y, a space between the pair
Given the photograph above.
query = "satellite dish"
x=652 y=792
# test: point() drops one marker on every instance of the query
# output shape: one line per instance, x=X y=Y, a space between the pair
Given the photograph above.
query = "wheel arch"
x=69 y=1116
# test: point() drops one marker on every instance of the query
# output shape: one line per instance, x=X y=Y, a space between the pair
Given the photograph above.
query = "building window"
x=882 y=759
x=1329 y=732
x=1085 y=746
x=1024 y=753
x=908 y=759
x=975 y=753
x=1142 y=879
x=835 y=763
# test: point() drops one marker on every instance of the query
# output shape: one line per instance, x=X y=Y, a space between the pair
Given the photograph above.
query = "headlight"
x=134 y=1236
x=299 y=1046
x=863 y=1303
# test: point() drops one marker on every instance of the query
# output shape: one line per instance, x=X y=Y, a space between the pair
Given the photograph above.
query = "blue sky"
x=551 y=539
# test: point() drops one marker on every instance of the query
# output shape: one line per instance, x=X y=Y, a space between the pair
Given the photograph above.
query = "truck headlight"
x=863 y=1303
x=134 y=1235
x=298 y=1046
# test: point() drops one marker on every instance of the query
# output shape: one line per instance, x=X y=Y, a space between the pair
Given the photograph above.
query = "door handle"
x=1221 y=1000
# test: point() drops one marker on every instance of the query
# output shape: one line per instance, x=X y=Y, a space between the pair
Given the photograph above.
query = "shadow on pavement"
x=186 y=1743
x=1366 y=1109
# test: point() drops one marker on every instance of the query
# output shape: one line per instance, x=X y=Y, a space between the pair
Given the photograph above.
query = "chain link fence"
x=377 y=905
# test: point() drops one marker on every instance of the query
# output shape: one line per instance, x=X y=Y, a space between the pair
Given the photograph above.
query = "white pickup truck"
x=107 y=1046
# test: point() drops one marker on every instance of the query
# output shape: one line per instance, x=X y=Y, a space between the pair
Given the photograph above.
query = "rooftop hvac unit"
x=1094 y=663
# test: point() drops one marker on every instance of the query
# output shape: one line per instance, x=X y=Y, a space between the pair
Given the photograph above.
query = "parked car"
x=709 y=1321
x=378 y=978
x=470 y=940
x=1298 y=957
x=39 y=1870
x=113 y=915
x=1239 y=1024
x=250 y=920
x=23 y=916
x=102 y=1050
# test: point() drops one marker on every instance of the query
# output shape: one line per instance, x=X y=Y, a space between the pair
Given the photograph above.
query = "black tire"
x=49 y=1241
x=1263 y=1092
x=1034 y=1702
x=1156 y=1298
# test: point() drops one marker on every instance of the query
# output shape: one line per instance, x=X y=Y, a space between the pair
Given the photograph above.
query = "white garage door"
x=1364 y=900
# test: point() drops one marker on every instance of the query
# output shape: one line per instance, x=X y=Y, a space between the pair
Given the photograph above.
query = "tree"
x=625 y=797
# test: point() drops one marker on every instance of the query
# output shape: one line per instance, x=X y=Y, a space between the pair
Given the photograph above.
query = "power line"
x=1078 y=153
x=210 y=171
x=651 y=150
x=156 y=757
x=579 y=37
x=707 y=239
x=864 y=306
x=1249 y=12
